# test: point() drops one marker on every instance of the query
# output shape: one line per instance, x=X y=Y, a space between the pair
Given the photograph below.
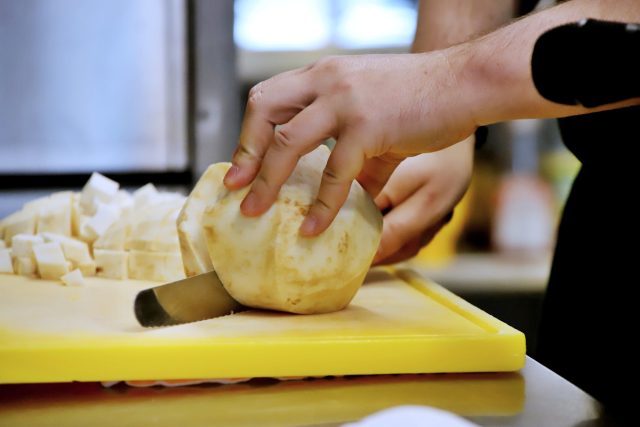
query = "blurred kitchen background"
x=153 y=91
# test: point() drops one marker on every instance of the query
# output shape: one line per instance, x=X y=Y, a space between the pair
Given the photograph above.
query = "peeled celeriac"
x=264 y=262
x=193 y=246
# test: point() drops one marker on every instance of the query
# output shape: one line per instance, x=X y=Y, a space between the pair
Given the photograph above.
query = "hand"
x=379 y=108
x=419 y=198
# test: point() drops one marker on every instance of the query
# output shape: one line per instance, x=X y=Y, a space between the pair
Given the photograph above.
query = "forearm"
x=495 y=70
x=443 y=23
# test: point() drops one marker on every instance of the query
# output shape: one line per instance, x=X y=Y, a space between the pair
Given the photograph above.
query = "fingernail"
x=249 y=205
x=308 y=226
x=231 y=175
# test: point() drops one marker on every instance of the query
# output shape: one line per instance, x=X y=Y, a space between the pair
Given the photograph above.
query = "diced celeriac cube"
x=156 y=231
x=76 y=211
x=116 y=235
x=35 y=205
x=155 y=238
x=143 y=195
x=24 y=266
x=111 y=264
x=123 y=200
x=6 y=265
x=22 y=245
x=21 y=222
x=156 y=266
x=55 y=217
x=50 y=260
x=74 y=250
x=2 y=244
x=96 y=225
x=99 y=188
x=73 y=278
x=88 y=268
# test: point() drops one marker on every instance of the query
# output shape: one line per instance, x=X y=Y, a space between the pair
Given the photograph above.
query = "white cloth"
x=412 y=416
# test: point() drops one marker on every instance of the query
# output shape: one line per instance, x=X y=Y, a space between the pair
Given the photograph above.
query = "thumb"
x=392 y=240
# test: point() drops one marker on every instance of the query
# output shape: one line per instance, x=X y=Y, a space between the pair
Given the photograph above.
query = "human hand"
x=379 y=108
x=419 y=198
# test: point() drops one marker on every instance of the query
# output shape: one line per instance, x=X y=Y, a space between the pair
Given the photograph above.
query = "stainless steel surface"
x=534 y=397
x=215 y=90
x=550 y=401
x=192 y=299
x=92 y=85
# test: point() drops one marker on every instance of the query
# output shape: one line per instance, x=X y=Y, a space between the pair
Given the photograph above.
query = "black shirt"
x=590 y=317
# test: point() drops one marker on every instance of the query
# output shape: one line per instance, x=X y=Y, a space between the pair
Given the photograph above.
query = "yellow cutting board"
x=397 y=323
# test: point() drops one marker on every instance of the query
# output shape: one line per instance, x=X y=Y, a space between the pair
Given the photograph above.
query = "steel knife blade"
x=188 y=300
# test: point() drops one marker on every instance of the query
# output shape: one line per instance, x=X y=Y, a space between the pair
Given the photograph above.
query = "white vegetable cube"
x=73 y=278
x=21 y=222
x=22 y=245
x=24 y=266
x=116 y=235
x=2 y=244
x=50 y=260
x=35 y=205
x=123 y=200
x=111 y=264
x=55 y=217
x=157 y=266
x=76 y=212
x=74 y=250
x=99 y=188
x=96 y=225
x=143 y=195
x=88 y=268
x=6 y=265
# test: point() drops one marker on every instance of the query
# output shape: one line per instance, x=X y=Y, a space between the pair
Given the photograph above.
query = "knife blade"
x=188 y=300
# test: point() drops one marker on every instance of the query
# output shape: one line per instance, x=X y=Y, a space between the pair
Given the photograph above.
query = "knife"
x=188 y=300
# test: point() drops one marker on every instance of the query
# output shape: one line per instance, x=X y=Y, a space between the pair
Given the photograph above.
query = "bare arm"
x=423 y=190
x=383 y=108
x=497 y=67
x=443 y=23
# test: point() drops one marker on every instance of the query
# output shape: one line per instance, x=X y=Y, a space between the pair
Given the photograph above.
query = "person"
x=386 y=111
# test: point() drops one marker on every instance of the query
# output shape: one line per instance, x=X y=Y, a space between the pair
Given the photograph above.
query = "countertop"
x=533 y=397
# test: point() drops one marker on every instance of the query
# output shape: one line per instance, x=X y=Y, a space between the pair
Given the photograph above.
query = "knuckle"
x=394 y=229
x=330 y=64
x=282 y=139
x=244 y=152
x=262 y=185
x=323 y=205
x=255 y=95
x=330 y=176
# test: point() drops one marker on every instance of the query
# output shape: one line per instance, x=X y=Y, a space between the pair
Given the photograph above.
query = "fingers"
x=409 y=250
x=343 y=166
x=299 y=136
x=274 y=101
x=376 y=172
x=403 y=223
x=398 y=189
